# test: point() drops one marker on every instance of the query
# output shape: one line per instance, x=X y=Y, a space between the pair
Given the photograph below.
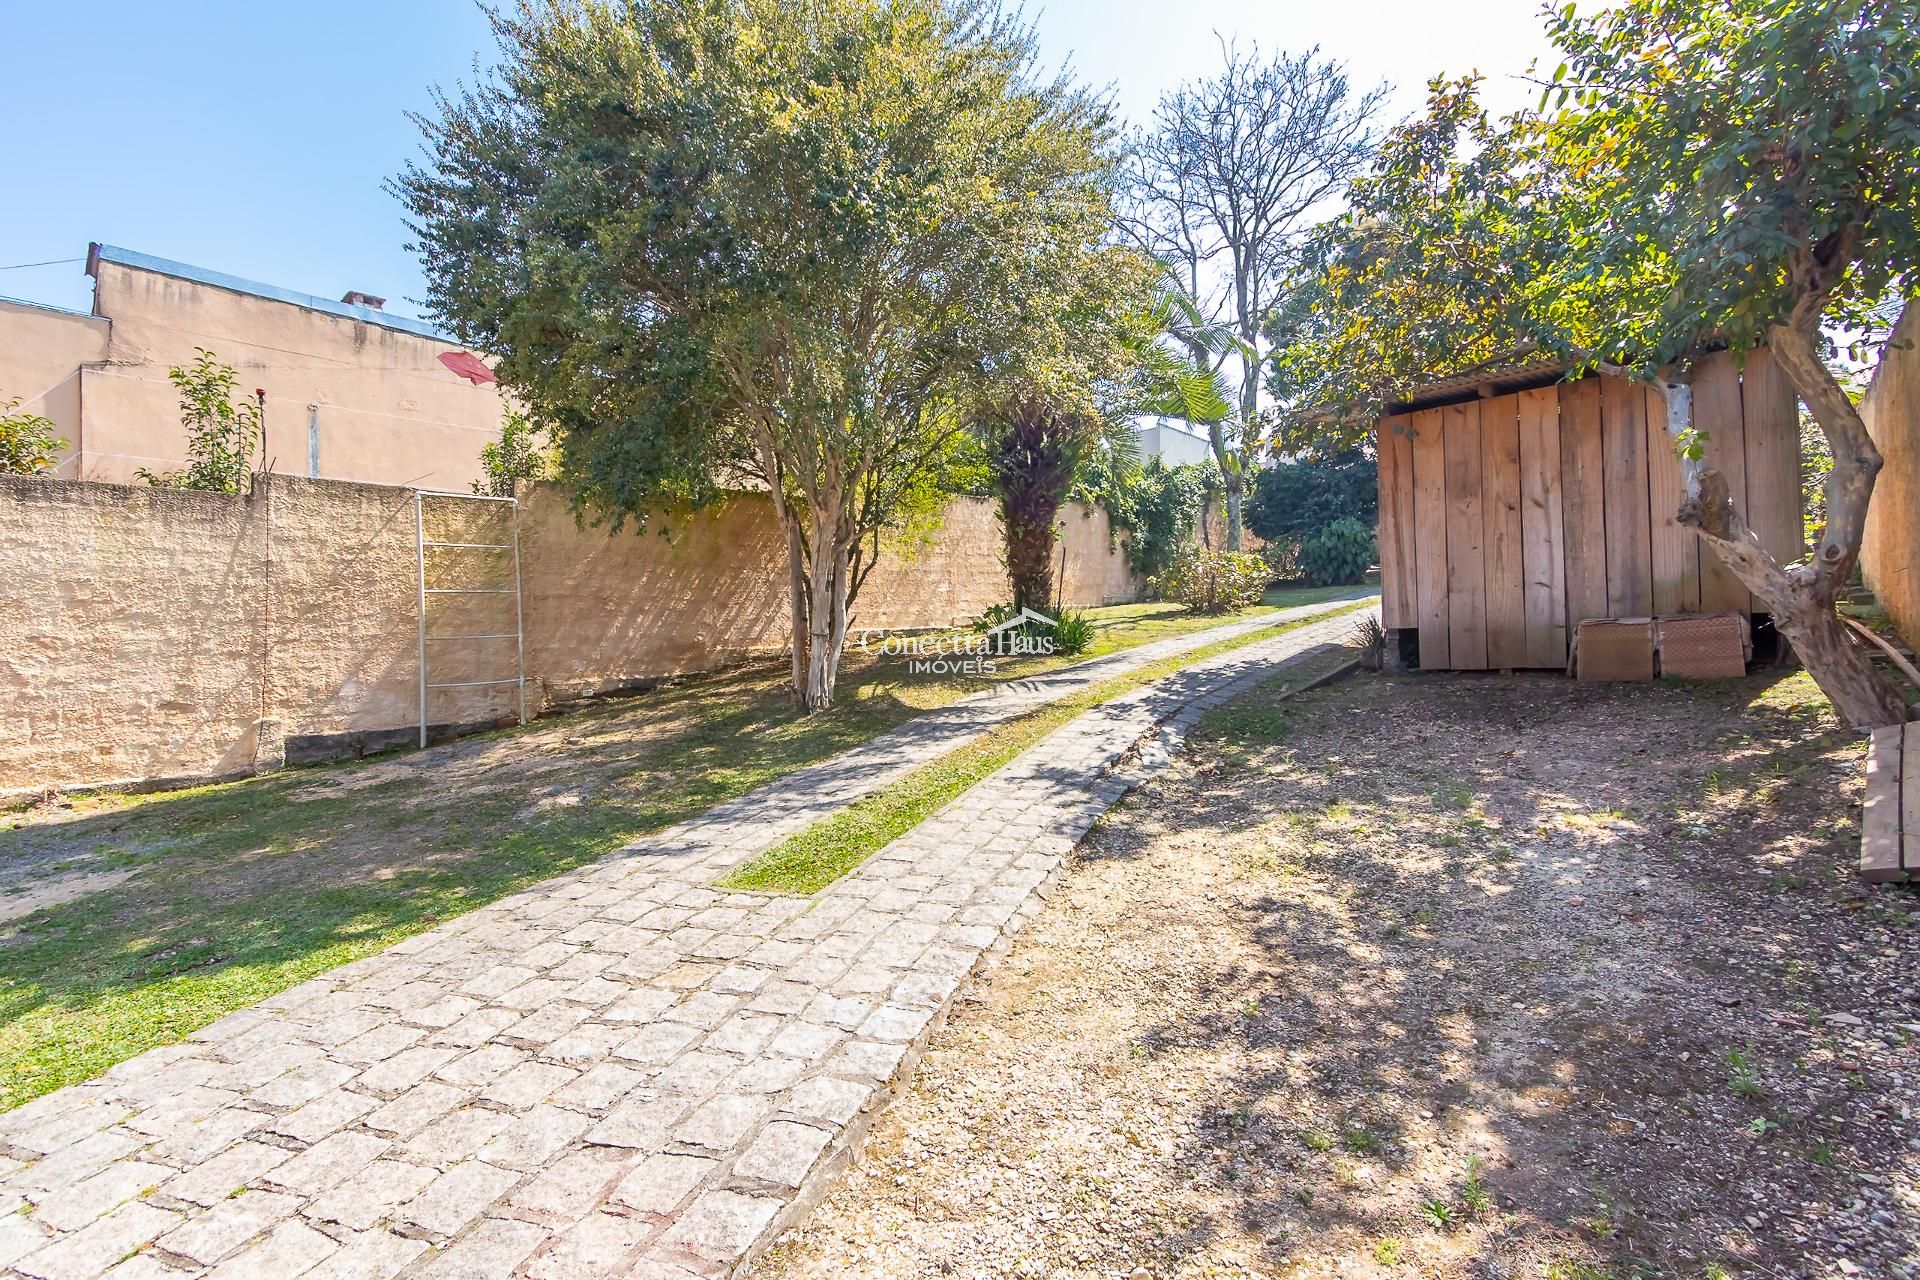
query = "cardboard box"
x=1613 y=649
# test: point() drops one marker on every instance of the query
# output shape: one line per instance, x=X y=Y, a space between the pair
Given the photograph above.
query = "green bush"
x=1283 y=558
x=1297 y=498
x=1337 y=554
x=1214 y=581
x=29 y=443
x=1072 y=633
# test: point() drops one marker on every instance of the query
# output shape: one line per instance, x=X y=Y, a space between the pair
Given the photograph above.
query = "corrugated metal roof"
x=220 y=280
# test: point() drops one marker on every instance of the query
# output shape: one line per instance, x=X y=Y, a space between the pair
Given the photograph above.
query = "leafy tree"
x=1758 y=163
x=1432 y=269
x=222 y=431
x=29 y=443
x=1294 y=497
x=1225 y=185
x=1705 y=174
x=517 y=457
x=760 y=242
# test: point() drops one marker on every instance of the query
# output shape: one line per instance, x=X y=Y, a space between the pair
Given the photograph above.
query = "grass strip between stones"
x=810 y=860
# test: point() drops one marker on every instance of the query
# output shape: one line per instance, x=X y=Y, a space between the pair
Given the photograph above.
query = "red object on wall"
x=467 y=365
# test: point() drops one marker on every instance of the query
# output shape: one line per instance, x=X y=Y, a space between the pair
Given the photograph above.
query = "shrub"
x=1298 y=497
x=222 y=431
x=28 y=442
x=1337 y=554
x=1282 y=555
x=1072 y=633
x=1214 y=581
x=516 y=457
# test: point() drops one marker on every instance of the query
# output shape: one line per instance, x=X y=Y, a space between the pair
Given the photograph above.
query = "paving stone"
x=568 y=1189
x=20 y=1236
x=365 y=1200
x=783 y=1153
x=227 y=1226
x=766 y=1074
x=721 y=1225
x=453 y=1138
x=144 y=1266
x=661 y=1182
x=289 y=1250
x=585 y=1045
x=657 y=1042
x=829 y=1099
x=528 y=1084
x=494 y=1249
x=370 y=1255
x=415 y=1109
x=71 y=1208
x=455 y=1199
x=487 y=1063
x=477 y=1027
x=92 y=1249
x=327 y=1163
x=302 y=1084
x=404 y=1070
x=720 y=1124
x=640 y=1123
x=695 y=1074
x=328 y=1113
x=535 y=1138
x=599 y=1246
x=599 y=1087
x=79 y=1160
x=211 y=1181
x=378 y=1043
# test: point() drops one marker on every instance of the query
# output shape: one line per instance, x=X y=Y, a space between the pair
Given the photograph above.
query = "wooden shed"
x=1513 y=508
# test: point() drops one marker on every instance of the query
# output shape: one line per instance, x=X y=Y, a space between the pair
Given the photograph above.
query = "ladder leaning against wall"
x=426 y=548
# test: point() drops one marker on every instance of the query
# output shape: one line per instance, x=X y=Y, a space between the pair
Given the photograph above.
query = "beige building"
x=351 y=392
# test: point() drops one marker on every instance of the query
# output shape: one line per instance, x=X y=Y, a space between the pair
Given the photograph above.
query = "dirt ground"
x=1438 y=976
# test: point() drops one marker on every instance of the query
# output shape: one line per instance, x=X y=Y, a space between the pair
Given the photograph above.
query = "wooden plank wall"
x=1399 y=603
x=1505 y=521
x=1544 y=555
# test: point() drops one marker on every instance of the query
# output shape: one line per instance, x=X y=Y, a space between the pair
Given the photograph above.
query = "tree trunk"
x=1230 y=477
x=1801 y=597
x=818 y=579
x=1030 y=538
x=1034 y=457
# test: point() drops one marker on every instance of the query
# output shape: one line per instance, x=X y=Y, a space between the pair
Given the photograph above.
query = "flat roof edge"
x=99 y=253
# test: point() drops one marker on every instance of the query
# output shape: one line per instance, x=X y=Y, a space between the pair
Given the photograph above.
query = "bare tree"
x=1224 y=188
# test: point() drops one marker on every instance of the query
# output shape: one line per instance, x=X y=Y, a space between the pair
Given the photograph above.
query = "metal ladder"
x=517 y=635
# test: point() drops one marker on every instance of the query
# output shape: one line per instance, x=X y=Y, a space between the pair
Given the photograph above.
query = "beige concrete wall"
x=388 y=412
x=42 y=350
x=145 y=633
x=130 y=632
x=1890 y=556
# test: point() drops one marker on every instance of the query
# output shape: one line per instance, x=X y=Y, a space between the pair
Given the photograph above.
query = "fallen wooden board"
x=1880 y=815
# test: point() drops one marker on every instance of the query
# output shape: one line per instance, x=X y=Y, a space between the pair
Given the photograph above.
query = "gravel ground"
x=1434 y=976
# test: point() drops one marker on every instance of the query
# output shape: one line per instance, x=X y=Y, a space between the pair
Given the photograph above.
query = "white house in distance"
x=1173 y=442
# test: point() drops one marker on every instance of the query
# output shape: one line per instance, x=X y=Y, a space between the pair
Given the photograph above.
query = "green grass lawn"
x=810 y=860
x=240 y=890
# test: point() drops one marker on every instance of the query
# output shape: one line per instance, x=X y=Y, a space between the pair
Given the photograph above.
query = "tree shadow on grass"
x=1508 y=944
x=242 y=889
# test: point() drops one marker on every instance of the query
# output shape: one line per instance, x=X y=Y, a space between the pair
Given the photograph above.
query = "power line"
x=51 y=262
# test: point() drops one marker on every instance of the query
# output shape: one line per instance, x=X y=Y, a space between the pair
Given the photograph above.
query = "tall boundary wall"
x=154 y=635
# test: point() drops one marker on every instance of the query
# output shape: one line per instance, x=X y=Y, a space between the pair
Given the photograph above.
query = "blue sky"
x=253 y=139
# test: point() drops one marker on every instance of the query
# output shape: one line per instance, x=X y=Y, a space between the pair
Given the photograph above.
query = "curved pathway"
x=618 y=1072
